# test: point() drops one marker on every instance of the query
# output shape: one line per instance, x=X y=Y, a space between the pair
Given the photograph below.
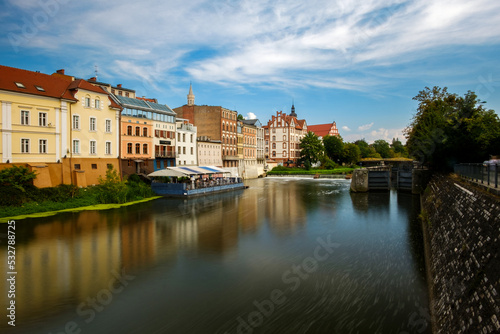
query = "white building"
x=209 y=152
x=186 y=143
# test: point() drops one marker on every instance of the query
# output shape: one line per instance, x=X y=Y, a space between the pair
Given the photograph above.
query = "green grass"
x=45 y=209
x=300 y=171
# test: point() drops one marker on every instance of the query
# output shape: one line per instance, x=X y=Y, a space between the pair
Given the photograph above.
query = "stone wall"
x=463 y=231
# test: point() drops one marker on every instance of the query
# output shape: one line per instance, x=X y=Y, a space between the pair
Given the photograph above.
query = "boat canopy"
x=189 y=171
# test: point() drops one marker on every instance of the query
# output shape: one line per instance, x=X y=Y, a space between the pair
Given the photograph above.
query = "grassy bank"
x=77 y=208
x=20 y=199
x=301 y=171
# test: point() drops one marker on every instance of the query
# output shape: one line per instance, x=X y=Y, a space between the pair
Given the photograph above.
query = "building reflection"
x=285 y=209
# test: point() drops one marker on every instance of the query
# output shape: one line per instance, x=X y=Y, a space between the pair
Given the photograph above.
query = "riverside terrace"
x=193 y=181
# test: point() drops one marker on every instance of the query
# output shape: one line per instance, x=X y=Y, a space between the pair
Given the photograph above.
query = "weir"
x=387 y=178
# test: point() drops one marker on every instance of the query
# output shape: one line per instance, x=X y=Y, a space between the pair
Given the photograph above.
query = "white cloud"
x=251 y=115
x=381 y=133
x=365 y=127
x=346 y=128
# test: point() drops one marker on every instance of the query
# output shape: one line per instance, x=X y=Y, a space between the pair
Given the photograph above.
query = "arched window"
x=137 y=131
x=274 y=138
x=274 y=145
x=284 y=145
x=284 y=153
x=137 y=148
x=145 y=132
x=129 y=147
x=129 y=131
x=145 y=148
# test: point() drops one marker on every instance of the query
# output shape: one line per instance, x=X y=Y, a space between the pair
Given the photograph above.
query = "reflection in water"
x=201 y=264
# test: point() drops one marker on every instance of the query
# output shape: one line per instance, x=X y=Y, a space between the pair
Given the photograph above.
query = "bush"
x=17 y=176
x=12 y=196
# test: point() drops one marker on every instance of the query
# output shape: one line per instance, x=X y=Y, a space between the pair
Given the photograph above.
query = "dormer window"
x=20 y=85
x=40 y=89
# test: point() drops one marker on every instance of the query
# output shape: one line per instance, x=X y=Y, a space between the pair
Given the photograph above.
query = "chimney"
x=61 y=71
x=119 y=85
x=93 y=79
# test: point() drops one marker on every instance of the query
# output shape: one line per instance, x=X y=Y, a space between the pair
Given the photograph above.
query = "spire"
x=293 y=110
x=190 y=96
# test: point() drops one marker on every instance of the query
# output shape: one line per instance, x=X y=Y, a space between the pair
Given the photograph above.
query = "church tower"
x=190 y=96
x=293 y=111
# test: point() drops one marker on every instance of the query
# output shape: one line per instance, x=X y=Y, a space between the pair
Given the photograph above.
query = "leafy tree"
x=18 y=177
x=240 y=117
x=398 y=148
x=382 y=147
x=111 y=189
x=334 y=147
x=311 y=149
x=364 y=148
x=352 y=153
x=448 y=128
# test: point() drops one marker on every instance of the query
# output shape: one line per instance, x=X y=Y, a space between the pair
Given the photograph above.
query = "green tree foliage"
x=311 y=149
x=398 y=148
x=364 y=148
x=352 y=153
x=18 y=177
x=111 y=189
x=334 y=148
x=448 y=129
x=382 y=147
x=240 y=117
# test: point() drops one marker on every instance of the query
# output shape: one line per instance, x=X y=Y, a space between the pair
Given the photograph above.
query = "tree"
x=18 y=177
x=334 y=147
x=364 y=148
x=352 y=153
x=240 y=117
x=382 y=147
x=311 y=149
x=448 y=128
x=398 y=148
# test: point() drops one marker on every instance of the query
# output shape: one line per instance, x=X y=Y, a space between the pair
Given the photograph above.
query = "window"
x=76 y=122
x=145 y=132
x=137 y=148
x=180 y=149
x=284 y=153
x=76 y=146
x=92 y=124
x=145 y=149
x=274 y=145
x=25 y=146
x=108 y=126
x=78 y=166
x=25 y=117
x=284 y=145
x=178 y=137
x=93 y=146
x=20 y=85
x=192 y=151
x=184 y=150
x=97 y=104
x=184 y=137
x=274 y=138
x=87 y=101
x=42 y=119
x=137 y=131
x=42 y=145
x=284 y=137
x=129 y=148
x=129 y=130
x=108 y=147
x=94 y=166
x=110 y=166
x=191 y=138
x=274 y=154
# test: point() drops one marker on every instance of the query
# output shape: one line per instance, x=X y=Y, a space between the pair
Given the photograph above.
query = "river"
x=283 y=256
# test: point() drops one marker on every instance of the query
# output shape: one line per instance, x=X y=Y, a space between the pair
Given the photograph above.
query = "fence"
x=480 y=173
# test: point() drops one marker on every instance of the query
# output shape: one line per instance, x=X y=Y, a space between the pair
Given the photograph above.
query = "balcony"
x=165 y=155
x=231 y=157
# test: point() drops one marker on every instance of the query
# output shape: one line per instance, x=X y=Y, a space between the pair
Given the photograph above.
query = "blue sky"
x=358 y=63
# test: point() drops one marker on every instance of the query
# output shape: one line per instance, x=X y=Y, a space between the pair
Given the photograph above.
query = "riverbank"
x=77 y=209
x=301 y=171
x=461 y=234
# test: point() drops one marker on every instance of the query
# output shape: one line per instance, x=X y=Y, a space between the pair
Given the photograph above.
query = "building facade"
x=209 y=152
x=139 y=121
x=282 y=136
x=322 y=130
x=216 y=122
x=64 y=129
x=187 y=154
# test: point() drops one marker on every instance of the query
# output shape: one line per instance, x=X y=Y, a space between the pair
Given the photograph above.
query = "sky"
x=358 y=63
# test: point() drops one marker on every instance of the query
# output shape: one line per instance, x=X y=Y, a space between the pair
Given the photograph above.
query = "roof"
x=254 y=122
x=34 y=83
x=128 y=102
x=321 y=130
x=83 y=84
x=189 y=170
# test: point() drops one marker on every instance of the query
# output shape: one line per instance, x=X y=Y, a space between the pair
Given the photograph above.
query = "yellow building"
x=64 y=129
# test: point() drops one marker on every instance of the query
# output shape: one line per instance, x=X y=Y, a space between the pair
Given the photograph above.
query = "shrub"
x=17 y=176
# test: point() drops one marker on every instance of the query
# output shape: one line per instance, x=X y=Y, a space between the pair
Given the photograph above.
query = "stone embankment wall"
x=462 y=226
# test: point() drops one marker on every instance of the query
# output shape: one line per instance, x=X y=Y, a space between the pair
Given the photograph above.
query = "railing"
x=481 y=173
x=165 y=155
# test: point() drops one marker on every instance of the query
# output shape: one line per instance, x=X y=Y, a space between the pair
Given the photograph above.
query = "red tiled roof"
x=321 y=130
x=147 y=99
x=51 y=86
x=82 y=84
